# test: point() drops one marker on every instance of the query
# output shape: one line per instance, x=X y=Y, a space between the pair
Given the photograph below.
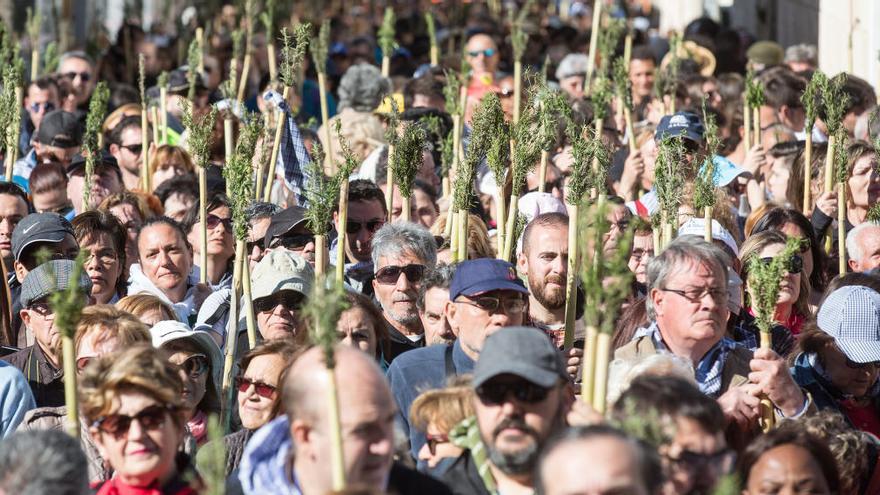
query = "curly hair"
x=362 y=88
x=848 y=446
x=107 y=322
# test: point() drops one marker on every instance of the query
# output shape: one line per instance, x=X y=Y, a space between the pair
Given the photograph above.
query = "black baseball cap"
x=283 y=222
x=39 y=227
x=104 y=158
x=522 y=351
x=60 y=129
x=685 y=124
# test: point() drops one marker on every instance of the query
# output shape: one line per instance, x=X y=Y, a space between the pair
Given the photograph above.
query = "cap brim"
x=43 y=238
x=540 y=377
x=492 y=285
x=860 y=352
x=287 y=285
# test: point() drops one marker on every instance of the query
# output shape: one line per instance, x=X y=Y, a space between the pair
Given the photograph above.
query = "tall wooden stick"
x=145 y=128
x=594 y=37
x=231 y=334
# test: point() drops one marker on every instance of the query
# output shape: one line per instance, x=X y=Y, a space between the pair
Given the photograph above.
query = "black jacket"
x=462 y=477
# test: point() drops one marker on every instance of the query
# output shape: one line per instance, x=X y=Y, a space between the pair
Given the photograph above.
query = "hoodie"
x=139 y=283
x=264 y=463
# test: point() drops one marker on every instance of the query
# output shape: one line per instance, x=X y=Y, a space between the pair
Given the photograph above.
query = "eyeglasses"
x=389 y=275
x=134 y=149
x=195 y=365
x=723 y=459
x=45 y=106
x=41 y=308
x=795 y=264
x=253 y=244
x=289 y=300
x=353 y=227
x=434 y=440
x=522 y=390
x=213 y=221
x=490 y=304
x=104 y=257
x=85 y=76
x=150 y=418
x=293 y=241
x=488 y=52
x=697 y=295
x=262 y=389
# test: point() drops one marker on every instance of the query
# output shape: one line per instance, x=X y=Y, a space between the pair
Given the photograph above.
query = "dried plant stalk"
x=386 y=40
x=810 y=100
x=91 y=148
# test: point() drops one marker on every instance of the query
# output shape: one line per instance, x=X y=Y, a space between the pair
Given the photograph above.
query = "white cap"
x=697 y=226
x=282 y=270
x=167 y=331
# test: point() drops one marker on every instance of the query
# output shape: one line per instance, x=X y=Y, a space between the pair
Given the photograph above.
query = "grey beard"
x=406 y=319
x=514 y=463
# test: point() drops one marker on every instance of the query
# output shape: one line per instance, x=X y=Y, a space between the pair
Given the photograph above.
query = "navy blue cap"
x=474 y=277
x=685 y=124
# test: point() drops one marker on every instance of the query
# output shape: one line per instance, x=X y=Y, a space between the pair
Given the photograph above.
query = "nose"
x=309 y=248
x=135 y=430
x=424 y=453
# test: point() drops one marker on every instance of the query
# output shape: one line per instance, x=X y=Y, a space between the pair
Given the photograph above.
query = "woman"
x=101 y=234
x=788 y=460
x=437 y=412
x=168 y=162
x=785 y=183
x=791 y=303
x=479 y=245
x=133 y=403
x=259 y=396
x=837 y=360
x=48 y=188
x=132 y=211
x=221 y=249
x=363 y=327
x=199 y=363
x=147 y=308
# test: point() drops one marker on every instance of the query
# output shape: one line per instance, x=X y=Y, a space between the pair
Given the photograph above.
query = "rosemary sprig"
x=834 y=102
x=519 y=39
x=452 y=93
x=408 y=157
x=32 y=22
x=498 y=154
x=162 y=80
x=386 y=33
x=622 y=83
x=319 y=47
x=609 y=39
x=322 y=311
x=237 y=36
x=321 y=195
x=8 y=108
x=669 y=177
x=754 y=91
x=267 y=17
x=601 y=97
x=580 y=179
x=67 y=304
x=90 y=145
x=193 y=60
x=485 y=121
x=200 y=133
x=238 y=173
x=704 y=185
x=810 y=99
x=293 y=51
x=764 y=280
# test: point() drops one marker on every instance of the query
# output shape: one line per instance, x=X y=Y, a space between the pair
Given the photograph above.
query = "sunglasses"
x=434 y=440
x=85 y=76
x=522 y=390
x=46 y=107
x=150 y=418
x=353 y=227
x=289 y=300
x=255 y=244
x=134 y=149
x=195 y=365
x=488 y=52
x=391 y=274
x=242 y=384
x=491 y=304
x=293 y=241
x=795 y=264
x=213 y=221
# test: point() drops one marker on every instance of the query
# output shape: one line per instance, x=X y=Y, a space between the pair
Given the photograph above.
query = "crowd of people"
x=451 y=376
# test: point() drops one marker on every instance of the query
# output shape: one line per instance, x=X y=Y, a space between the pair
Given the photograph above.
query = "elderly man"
x=484 y=296
x=288 y=230
x=598 y=459
x=433 y=295
x=863 y=247
x=292 y=454
x=282 y=282
x=402 y=252
x=520 y=400
x=571 y=73
x=687 y=305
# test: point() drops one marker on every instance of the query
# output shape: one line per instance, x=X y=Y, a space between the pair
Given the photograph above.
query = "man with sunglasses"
x=41 y=362
x=78 y=69
x=367 y=213
x=106 y=180
x=127 y=147
x=482 y=55
x=57 y=139
x=40 y=99
x=521 y=400
x=485 y=295
x=289 y=230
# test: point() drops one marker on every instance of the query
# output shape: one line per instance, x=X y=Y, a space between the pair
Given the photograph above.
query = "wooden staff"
x=389 y=181
x=594 y=37
x=602 y=357
x=463 y=234
x=501 y=232
x=154 y=111
x=321 y=255
x=145 y=139
x=33 y=27
x=200 y=39
x=829 y=181
x=243 y=82
x=747 y=124
x=707 y=219
x=163 y=110
x=542 y=171
x=517 y=90
x=452 y=220
x=342 y=220
x=276 y=146
x=203 y=225
x=756 y=117
x=571 y=276
x=808 y=173
x=248 y=303
x=231 y=334
x=325 y=112
x=841 y=228
x=68 y=357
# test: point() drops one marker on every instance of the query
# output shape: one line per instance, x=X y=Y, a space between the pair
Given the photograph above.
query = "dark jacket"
x=46 y=382
x=233 y=443
x=400 y=343
x=462 y=477
x=745 y=331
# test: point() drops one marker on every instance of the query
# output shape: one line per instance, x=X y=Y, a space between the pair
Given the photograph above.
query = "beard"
x=550 y=298
x=404 y=318
x=523 y=460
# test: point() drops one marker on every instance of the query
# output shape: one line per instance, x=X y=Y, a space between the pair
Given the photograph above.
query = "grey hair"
x=261 y=209
x=802 y=53
x=397 y=238
x=43 y=461
x=362 y=88
x=853 y=248
x=75 y=54
x=684 y=249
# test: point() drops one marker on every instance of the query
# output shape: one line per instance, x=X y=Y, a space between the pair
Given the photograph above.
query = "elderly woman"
x=199 y=362
x=147 y=308
x=133 y=403
x=437 y=412
x=105 y=239
x=838 y=360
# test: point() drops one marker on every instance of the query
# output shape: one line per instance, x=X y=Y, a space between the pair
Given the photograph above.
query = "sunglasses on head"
x=293 y=241
x=213 y=221
x=391 y=274
x=488 y=52
x=242 y=384
x=795 y=264
x=522 y=390
x=195 y=365
x=150 y=418
x=85 y=76
x=288 y=299
x=353 y=227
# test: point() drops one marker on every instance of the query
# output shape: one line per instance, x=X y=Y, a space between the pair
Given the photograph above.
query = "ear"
x=20 y=271
x=336 y=220
x=301 y=434
x=657 y=296
x=522 y=263
x=854 y=265
x=375 y=284
x=114 y=148
x=25 y=317
x=450 y=309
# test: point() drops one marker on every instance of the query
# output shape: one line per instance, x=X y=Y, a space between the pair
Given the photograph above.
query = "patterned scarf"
x=466 y=435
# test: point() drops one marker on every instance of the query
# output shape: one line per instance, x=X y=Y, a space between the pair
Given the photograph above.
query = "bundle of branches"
x=498 y=159
x=198 y=142
x=386 y=40
x=553 y=109
x=764 y=280
x=432 y=37
x=91 y=144
x=349 y=164
x=67 y=306
x=51 y=57
x=609 y=39
x=601 y=100
x=267 y=17
x=319 y=47
x=623 y=93
x=810 y=100
x=322 y=311
x=834 y=104
x=408 y=157
x=754 y=100
x=518 y=41
x=669 y=182
x=10 y=113
x=665 y=85
x=704 y=186
x=321 y=193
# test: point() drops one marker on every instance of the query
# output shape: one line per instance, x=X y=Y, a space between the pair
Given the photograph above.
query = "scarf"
x=466 y=435
x=198 y=427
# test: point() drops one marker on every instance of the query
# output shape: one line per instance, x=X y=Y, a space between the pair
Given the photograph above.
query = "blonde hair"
x=139 y=368
x=479 y=245
x=166 y=154
x=444 y=407
x=751 y=249
x=109 y=322
x=140 y=304
x=135 y=200
x=622 y=372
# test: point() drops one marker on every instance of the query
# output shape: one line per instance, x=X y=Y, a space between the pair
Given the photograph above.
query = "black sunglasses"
x=353 y=227
x=523 y=391
x=293 y=241
x=194 y=366
x=490 y=304
x=134 y=149
x=434 y=440
x=391 y=274
x=288 y=299
x=118 y=425
x=213 y=221
x=795 y=264
x=85 y=76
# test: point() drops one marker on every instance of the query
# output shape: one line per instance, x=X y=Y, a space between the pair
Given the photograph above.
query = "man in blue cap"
x=485 y=295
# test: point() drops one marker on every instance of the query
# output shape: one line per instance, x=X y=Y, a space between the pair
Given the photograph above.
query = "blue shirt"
x=16 y=398
x=418 y=370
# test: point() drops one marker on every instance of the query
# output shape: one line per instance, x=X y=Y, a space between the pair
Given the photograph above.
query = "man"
x=13 y=207
x=520 y=400
x=482 y=54
x=58 y=139
x=641 y=252
x=127 y=148
x=402 y=252
x=293 y=453
x=56 y=464
x=367 y=213
x=782 y=102
x=288 y=230
x=41 y=98
x=687 y=306
x=597 y=460
x=282 y=282
x=106 y=180
x=178 y=195
x=484 y=296
x=78 y=69
x=259 y=214
x=802 y=57
x=41 y=362
x=433 y=295
x=863 y=247
x=641 y=74
x=571 y=73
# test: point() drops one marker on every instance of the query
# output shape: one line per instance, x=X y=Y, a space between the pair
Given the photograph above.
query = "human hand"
x=755 y=159
x=740 y=405
x=827 y=203
x=574 y=357
x=771 y=375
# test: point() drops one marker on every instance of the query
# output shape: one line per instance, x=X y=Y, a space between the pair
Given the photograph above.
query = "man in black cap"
x=289 y=230
x=58 y=139
x=521 y=399
x=106 y=181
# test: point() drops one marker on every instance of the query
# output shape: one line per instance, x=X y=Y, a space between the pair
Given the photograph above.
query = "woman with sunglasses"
x=838 y=356
x=436 y=412
x=221 y=249
x=199 y=362
x=791 y=305
x=132 y=401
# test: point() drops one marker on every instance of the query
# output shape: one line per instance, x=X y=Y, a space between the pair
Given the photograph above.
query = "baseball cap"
x=851 y=315
x=474 y=277
x=697 y=226
x=60 y=129
x=104 y=158
x=282 y=270
x=725 y=171
x=178 y=81
x=168 y=331
x=283 y=222
x=522 y=351
x=39 y=227
x=685 y=124
x=52 y=276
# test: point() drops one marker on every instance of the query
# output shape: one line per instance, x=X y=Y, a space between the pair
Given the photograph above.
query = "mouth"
x=143 y=451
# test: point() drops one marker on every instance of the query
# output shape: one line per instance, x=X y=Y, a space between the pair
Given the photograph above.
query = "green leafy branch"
x=840 y=161
x=267 y=17
x=518 y=37
x=51 y=57
x=607 y=279
x=319 y=47
x=622 y=83
x=834 y=101
x=810 y=99
x=669 y=179
x=704 y=185
x=238 y=173
x=764 y=280
x=754 y=90
x=67 y=304
x=193 y=61
x=486 y=120
x=452 y=93
x=94 y=121
x=601 y=97
x=200 y=133
x=609 y=39
x=386 y=33
x=408 y=157
x=293 y=51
